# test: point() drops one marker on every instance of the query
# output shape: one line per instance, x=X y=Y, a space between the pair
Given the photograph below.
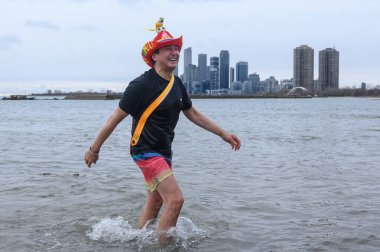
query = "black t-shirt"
x=158 y=132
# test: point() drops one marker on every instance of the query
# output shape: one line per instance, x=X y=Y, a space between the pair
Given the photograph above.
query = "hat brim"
x=157 y=45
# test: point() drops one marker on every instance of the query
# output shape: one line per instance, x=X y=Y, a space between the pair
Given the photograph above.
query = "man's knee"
x=171 y=194
x=176 y=202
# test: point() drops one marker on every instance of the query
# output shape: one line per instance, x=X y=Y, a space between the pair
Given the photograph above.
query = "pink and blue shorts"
x=155 y=167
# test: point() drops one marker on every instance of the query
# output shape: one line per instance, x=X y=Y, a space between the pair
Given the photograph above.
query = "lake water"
x=306 y=178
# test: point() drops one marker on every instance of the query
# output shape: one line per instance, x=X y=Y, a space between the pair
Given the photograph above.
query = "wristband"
x=94 y=152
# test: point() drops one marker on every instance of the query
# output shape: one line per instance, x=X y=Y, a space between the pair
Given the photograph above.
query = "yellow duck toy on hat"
x=158 y=26
x=163 y=38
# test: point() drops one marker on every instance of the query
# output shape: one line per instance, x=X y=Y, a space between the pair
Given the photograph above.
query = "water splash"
x=118 y=229
x=113 y=229
x=186 y=233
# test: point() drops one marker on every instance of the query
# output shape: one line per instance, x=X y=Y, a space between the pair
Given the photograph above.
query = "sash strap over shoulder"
x=149 y=111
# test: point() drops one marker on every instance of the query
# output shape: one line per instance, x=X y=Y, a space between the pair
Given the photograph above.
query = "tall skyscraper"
x=232 y=75
x=187 y=59
x=303 y=67
x=329 y=69
x=241 y=71
x=202 y=67
x=214 y=73
x=191 y=77
x=224 y=69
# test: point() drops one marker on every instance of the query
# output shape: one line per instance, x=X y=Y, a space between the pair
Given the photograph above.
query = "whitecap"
x=110 y=230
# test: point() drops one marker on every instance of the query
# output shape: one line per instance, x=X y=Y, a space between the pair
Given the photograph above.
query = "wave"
x=118 y=229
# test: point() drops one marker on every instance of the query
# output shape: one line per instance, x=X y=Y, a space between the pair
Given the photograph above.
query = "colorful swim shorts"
x=155 y=167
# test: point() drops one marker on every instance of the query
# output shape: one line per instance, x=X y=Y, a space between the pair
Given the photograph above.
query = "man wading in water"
x=154 y=100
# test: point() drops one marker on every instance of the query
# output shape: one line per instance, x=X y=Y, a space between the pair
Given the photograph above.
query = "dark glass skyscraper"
x=224 y=69
x=329 y=69
x=202 y=67
x=241 y=71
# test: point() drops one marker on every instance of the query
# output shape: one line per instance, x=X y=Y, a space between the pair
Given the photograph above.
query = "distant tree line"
x=356 y=92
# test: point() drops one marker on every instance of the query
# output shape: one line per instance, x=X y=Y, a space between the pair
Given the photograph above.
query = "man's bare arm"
x=92 y=154
x=202 y=121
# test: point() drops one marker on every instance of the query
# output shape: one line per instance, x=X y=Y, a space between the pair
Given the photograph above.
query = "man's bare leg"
x=151 y=208
x=173 y=200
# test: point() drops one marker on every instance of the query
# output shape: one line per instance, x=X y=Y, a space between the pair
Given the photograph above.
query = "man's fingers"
x=89 y=159
x=236 y=142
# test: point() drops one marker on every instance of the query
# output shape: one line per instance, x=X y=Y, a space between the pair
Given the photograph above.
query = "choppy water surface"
x=305 y=179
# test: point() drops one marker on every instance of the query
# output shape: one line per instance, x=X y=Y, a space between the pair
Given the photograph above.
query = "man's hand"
x=91 y=157
x=233 y=140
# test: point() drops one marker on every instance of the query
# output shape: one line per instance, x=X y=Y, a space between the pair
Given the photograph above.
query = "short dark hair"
x=155 y=52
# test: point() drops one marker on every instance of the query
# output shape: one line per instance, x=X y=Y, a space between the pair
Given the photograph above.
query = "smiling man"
x=155 y=100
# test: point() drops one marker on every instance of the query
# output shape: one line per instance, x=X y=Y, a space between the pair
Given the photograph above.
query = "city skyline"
x=211 y=78
x=96 y=44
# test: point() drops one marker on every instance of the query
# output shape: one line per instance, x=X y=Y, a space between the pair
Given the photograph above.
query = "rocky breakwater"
x=92 y=96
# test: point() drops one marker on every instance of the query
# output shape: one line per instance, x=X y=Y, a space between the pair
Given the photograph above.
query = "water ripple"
x=305 y=179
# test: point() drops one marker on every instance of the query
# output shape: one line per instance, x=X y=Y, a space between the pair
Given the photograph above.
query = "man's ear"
x=154 y=57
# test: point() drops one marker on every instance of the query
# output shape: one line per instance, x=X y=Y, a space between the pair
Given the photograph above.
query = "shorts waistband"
x=147 y=155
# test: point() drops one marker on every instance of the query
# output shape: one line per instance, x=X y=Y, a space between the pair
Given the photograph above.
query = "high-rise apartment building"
x=328 y=69
x=241 y=71
x=191 y=77
x=303 y=67
x=254 y=78
x=214 y=73
x=187 y=57
x=208 y=73
x=224 y=68
x=187 y=60
x=232 y=75
x=202 y=67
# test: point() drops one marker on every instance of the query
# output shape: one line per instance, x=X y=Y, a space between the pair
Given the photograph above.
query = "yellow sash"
x=148 y=111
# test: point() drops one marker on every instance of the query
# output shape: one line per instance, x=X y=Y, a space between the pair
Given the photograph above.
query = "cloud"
x=205 y=1
x=80 y=1
x=42 y=24
x=88 y=28
x=7 y=40
x=104 y=37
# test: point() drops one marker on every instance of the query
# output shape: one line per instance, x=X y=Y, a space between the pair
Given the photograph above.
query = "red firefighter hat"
x=163 y=38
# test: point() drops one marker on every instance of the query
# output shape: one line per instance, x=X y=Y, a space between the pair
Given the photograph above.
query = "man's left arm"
x=202 y=121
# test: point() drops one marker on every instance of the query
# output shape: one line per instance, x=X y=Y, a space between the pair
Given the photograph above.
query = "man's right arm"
x=92 y=154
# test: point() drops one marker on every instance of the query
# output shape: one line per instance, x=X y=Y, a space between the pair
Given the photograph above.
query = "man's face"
x=167 y=57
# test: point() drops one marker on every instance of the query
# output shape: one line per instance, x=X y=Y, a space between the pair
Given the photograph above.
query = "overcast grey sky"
x=79 y=44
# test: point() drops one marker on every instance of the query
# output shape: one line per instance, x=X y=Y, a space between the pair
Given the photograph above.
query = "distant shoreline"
x=117 y=96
